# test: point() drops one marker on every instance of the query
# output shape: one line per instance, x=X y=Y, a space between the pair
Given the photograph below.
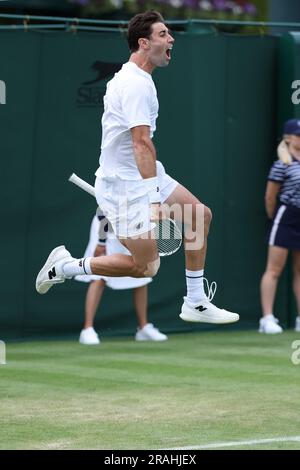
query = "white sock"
x=195 y=288
x=77 y=266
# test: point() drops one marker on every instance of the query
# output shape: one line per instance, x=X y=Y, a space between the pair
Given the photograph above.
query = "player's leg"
x=277 y=257
x=60 y=265
x=144 y=255
x=196 y=218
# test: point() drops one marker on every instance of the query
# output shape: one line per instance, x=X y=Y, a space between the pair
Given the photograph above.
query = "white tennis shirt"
x=130 y=101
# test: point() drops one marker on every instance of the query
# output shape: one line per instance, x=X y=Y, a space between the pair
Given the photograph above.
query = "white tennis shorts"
x=125 y=203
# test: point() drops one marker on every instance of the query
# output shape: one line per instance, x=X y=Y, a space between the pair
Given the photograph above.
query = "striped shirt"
x=289 y=177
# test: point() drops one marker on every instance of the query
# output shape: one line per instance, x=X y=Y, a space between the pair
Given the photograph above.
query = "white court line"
x=239 y=443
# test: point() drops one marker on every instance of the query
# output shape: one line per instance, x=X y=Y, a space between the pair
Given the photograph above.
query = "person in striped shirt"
x=282 y=202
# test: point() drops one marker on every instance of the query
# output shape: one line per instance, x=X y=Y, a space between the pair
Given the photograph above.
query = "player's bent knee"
x=152 y=268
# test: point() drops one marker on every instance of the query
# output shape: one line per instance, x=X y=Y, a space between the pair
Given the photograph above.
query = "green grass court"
x=195 y=390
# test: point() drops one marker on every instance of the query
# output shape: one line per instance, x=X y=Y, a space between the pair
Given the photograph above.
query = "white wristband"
x=153 y=190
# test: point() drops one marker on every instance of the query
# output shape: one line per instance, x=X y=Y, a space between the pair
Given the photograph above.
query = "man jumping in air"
x=131 y=184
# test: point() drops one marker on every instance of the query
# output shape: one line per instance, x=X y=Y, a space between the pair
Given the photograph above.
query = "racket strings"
x=168 y=236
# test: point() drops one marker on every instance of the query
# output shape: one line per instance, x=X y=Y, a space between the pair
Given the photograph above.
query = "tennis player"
x=109 y=244
x=131 y=185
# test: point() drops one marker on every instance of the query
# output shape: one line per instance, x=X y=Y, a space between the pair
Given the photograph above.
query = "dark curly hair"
x=140 y=26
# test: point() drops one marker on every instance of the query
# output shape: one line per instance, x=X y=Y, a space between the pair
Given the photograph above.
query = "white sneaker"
x=269 y=325
x=297 y=325
x=206 y=312
x=52 y=272
x=149 y=333
x=89 y=336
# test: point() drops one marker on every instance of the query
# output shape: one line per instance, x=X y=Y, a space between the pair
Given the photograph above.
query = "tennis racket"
x=166 y=233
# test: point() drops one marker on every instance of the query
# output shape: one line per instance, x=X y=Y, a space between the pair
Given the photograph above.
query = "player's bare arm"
x=144 y=151
x=145 y=157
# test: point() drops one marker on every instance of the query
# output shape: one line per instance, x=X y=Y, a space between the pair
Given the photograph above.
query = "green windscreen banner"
x=216 y=135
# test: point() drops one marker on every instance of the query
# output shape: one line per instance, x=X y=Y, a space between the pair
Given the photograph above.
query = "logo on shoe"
x=201 y=308
x=52 y=273
x=80 y=263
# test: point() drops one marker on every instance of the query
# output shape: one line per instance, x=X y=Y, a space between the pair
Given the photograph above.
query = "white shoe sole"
x=188 y=315
x=42 y=285
x=261 y=330
x=93 y=343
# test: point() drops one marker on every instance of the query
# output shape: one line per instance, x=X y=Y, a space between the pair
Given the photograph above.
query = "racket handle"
x=82 y=184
